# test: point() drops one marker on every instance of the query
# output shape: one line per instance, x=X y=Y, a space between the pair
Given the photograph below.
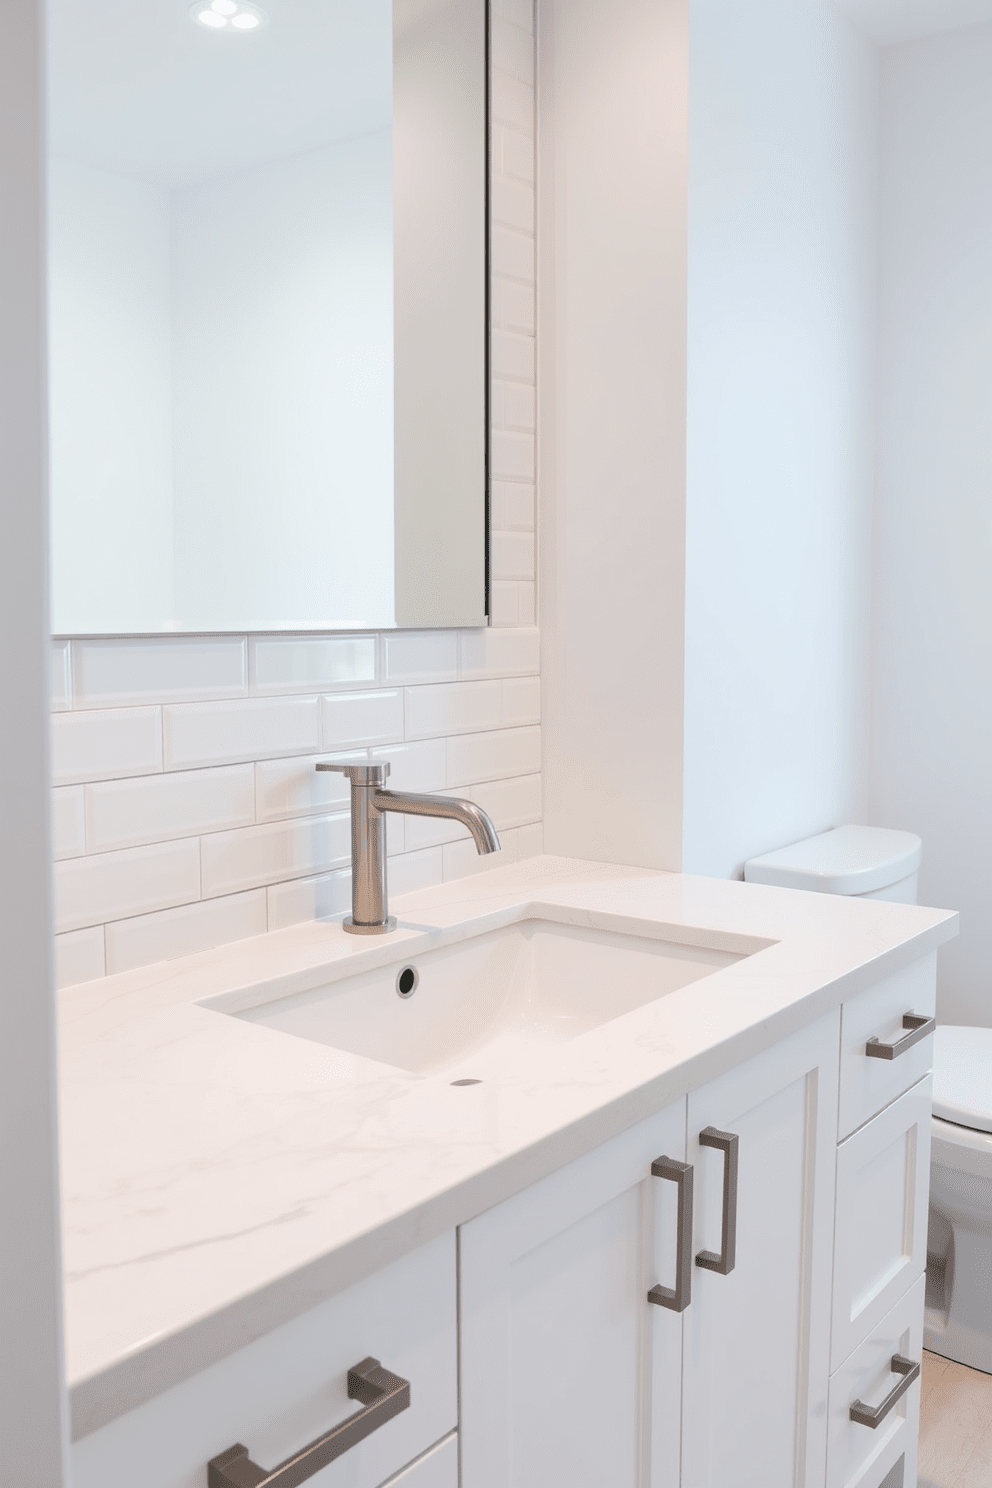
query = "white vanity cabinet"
x=727 y=1294
x=290 y=1387
x=569 y=1375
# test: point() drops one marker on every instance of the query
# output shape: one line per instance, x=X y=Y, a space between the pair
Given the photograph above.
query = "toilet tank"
x=865 y=862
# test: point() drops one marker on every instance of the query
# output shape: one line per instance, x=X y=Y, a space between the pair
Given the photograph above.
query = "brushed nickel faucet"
x=369 y=802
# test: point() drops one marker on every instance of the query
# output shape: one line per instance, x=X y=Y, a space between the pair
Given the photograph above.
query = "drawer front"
x=287 y=1389
x=880 y=1236
x=883 y=1456
x=438 y=1468
x=867 y=1085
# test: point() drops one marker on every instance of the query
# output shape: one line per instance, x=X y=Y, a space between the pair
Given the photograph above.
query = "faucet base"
x=388 y=924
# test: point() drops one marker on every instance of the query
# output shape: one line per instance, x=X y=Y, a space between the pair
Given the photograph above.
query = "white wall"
x=931 y=769
x=705 y=694
x=282 y=297
x=110 y=399
x=782 y=192
x=612 y=314
x=187 y=809
x=33 y=1438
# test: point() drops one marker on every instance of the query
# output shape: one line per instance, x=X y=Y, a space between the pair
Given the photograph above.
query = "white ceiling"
x=136 y=86
x=889 y=21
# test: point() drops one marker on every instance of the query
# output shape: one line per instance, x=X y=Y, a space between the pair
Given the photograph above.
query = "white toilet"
x=874 y=863
x=959 y=1243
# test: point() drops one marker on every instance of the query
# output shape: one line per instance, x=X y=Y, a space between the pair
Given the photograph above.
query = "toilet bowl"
x=958 y=1320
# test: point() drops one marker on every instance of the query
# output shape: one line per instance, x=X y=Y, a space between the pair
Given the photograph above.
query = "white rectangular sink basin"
x=482 y=1004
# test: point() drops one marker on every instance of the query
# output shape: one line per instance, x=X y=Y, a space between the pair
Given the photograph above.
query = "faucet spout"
x=369 y=804
x=452 y=808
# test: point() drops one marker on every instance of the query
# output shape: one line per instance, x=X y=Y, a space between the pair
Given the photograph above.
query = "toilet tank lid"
x=962 y=1076
x=846 y=860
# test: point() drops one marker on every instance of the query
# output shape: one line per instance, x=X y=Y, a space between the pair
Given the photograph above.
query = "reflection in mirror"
x=267 y=314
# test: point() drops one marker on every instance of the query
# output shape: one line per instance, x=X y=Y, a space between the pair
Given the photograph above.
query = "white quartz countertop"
x=220 y=1177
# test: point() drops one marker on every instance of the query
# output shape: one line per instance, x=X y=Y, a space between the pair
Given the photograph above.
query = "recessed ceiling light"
x=228 y=15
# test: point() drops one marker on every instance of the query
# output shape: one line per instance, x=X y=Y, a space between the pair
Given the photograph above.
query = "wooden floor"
x=955 y=1426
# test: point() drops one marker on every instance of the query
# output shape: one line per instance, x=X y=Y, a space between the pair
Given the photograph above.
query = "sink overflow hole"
x=466 y=1082
x=407 y=981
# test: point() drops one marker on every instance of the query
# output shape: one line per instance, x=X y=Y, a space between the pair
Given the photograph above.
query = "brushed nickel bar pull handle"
x=725 y=1142
x=920 y=1027
x=874 y=1415
x=383 y=1395
x=677 y=1298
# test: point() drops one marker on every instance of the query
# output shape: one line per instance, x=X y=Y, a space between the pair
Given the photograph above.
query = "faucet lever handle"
x=360 y=772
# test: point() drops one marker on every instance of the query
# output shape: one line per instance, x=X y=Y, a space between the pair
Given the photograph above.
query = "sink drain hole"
x=466 y=1082
x=407 y=981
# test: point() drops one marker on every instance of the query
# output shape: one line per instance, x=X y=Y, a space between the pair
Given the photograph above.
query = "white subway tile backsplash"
x=517 y=12
x=513 y=102
x=510 y=803
x=461 y=859
x=152 y=669
x=498 y=653
x=516 y=153
x=521 y=701
x=188 y=811
x=294 y=787
x=420 y=656
x=183 y=931
x=517 y=303
x=505 y=603
x=508 y=752
x=415 y=870
x=518 y=507
x=530 y=841
x=512 y=50
x=79 y=956
x=60 y=676
x=220 y=733
x=513 y=255
x=519 y=412
x=431 y=831
x=310 y=663
x=354 y=720
x=415 y=767
x=255 y=856
x=452 y=708
x=526 y=604
x=513 y=555
x=513 y=356
x=68 y=822
x=513 y=205
x=106 y=745
x=513 y=459
x=124 y=813
x=320 y=898
x=115 y=885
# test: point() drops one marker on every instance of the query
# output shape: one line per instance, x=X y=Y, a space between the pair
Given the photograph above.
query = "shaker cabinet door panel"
x=883 y=1187
x=568 y=1374
x=756 y=1340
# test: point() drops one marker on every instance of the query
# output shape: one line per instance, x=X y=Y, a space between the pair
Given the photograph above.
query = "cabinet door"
x=883 y=1187
x=568 y=1374
x=756 y=1347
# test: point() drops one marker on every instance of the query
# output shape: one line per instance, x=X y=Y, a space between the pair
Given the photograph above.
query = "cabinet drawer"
x=862 y=1456
x=880 y=1236
x=438 y=1468
x=867 y=1085
x=287 y=1389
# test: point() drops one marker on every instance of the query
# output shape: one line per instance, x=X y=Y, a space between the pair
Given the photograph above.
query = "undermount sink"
x=482 y=1004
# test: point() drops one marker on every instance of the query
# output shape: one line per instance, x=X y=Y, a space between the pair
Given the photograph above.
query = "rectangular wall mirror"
x=268 y=314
